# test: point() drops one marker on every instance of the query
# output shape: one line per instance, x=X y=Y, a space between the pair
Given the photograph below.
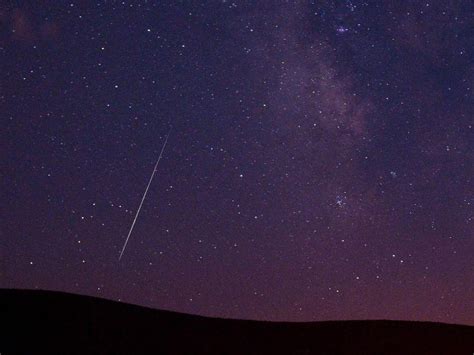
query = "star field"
x=319 y=166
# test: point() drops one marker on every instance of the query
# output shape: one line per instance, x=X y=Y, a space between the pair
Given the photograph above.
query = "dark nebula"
x=319 y=167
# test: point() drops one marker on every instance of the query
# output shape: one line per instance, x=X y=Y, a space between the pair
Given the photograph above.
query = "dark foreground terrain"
x=37 y=322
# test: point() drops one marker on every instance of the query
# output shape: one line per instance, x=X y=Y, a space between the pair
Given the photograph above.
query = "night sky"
x=320 y=163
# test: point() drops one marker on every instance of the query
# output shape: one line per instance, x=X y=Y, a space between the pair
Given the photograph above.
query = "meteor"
x=144 y=194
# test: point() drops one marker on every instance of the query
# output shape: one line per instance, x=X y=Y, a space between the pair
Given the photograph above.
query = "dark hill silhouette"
x=37 y=322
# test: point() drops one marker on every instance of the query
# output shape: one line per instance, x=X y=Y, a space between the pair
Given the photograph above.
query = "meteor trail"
x=144 y=194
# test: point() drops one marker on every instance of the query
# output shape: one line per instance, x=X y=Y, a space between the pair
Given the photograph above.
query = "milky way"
x=320 y=165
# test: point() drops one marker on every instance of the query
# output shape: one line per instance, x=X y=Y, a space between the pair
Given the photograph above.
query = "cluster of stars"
x=319 y=151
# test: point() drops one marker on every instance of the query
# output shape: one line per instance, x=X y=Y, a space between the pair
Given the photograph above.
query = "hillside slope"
x=59 y=323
